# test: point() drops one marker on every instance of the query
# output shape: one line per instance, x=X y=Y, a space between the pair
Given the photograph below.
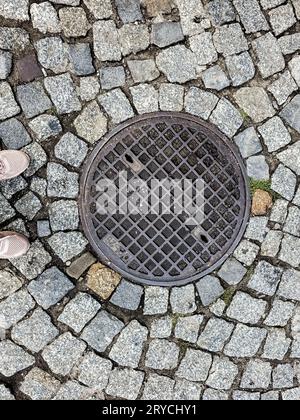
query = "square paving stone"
x=13 y=359
x=145 y=98
x=277 y=345
x=269 y=55
x=279 y=211
x=45 y=126
x=257 y=229
x=200 y=103
x=63 y=354
x=183 y=299
x=156 y=300
x=240 y=68
x=5 y=64
x=80 y=265
x=94 y=371
x=106 y=41
x=255 y=102
x=73 y=21
x=214 y=395
x=215 y=78
x=38 y=158
x=280 y=314
x=292 y=222
x=81 y=60
x=193 y=16
x=291 y=113
x=35 y=332
x=283 y=87
x=271 y=245
x=13 y=134
x=209 y=289
x=171 y=97
x=283 y=377
x=43 y=228
x=34 y=262
x=127 y=350
x=245 y=341
x=258 y=168
x=5 y=394
x=71 y=150
x=282 y=18
x=230 y=39
x=127 y=296
x=79 y=311
x=186 y=390
x=112 y=77
x=251 y=15
x=62 y=91
x=67 y=245
x=91 y=124
x=291 y=394
x=215 y=335
x=290 y=157
x=129 y=10
x=53 y=54
x=275 y=134
x=116 y=105
x=33 y=99
x=45 y=18
x=101 y=10
x=166 y=33
x=257 y=375
x=15 y=308
x=125 y=383
x=222 y=374
x=89 y=88
x=143 y=70
x=15 y=39
x=50 y=287
x=232 y=272
x=290 y=250
x=61 y=182
x=162 y=355
x=289 y=287
x=64 y=215
x=203 y=47
x=246 y=252
x=246 y=396
x=226 y=117
x=134 y=38
x=38 y=385
x=187 y=329
x=265 y=278
x=101 y=331
x=9 y=283
x=12 y=186
x=29 y=205
x=8 y=105
x=221 y=11
x=6 y=210
x=161 y=327
x=195 y=366
x=178 y=64
x=284 y=182
x=158 y=388
x=14 y=9
x=246 y=309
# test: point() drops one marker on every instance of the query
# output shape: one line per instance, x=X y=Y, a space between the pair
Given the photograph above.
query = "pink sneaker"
x=13 y=245
x=12 y=163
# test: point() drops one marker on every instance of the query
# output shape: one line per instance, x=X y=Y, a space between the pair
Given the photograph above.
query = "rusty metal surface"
x=162 y=249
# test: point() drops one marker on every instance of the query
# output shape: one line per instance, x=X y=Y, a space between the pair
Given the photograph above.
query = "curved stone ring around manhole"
x=164 y=199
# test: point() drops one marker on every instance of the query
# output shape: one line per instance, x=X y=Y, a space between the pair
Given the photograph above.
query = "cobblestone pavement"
x=70 y=328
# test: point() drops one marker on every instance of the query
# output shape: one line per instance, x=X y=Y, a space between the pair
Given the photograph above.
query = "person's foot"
x=12 y=163
x=13 y=245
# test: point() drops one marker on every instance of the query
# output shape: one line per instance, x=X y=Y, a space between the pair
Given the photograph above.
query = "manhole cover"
x=141 y=198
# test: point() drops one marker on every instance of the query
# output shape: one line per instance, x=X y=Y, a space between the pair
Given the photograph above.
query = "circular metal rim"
x=82 y=195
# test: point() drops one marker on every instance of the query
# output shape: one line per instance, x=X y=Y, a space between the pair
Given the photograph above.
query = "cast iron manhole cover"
x=133 y=193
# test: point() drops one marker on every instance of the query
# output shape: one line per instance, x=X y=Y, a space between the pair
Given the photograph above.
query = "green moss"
x=264 y=185
x=228 y=295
